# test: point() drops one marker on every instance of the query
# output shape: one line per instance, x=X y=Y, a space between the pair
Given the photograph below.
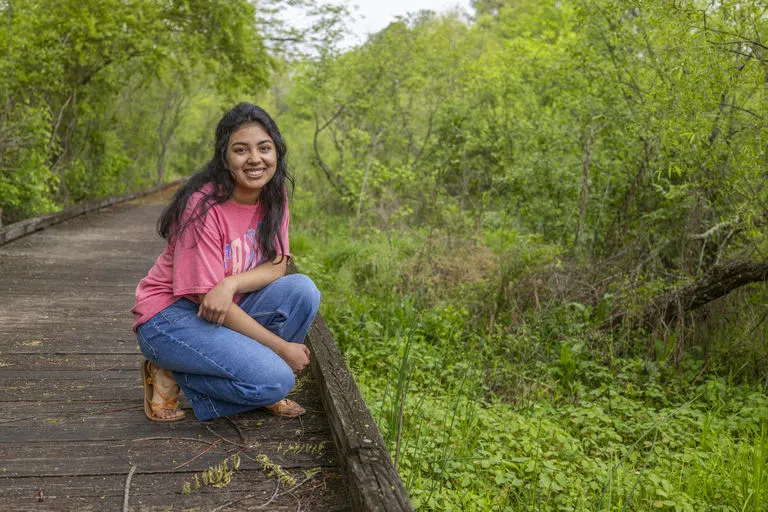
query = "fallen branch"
x=241 y=446
x=128 y=488
x=206 y=450
x=668 y=307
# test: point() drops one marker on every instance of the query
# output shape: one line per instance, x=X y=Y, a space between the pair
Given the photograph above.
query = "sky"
x=373 y=15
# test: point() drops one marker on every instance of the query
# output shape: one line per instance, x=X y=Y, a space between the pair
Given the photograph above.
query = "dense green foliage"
x=542 y=414
x=500 y=188
x=603 y=126
x=476 y=198
x=94 y=92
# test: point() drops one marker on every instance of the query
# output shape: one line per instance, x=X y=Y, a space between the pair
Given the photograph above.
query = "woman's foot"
x=160 y=394
x=285 y=407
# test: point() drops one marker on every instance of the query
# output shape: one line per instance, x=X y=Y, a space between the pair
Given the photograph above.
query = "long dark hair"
x=272 y=197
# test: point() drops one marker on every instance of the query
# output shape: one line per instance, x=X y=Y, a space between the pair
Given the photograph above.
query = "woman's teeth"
x=254 y=173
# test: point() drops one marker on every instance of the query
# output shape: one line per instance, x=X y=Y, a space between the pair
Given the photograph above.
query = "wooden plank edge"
x=27 y=226
x=374 y=484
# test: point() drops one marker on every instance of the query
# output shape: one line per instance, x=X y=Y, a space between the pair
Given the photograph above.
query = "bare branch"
x=711 y=230
x=318 y=158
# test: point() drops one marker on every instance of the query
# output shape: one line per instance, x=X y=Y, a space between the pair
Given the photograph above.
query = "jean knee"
x=286 y=380
x=281 y=386
x=308 y=294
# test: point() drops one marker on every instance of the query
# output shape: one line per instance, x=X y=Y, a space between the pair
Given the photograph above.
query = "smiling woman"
x=252 y=161
x=216 y=316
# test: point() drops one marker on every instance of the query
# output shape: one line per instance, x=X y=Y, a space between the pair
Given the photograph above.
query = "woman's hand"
x=215 y=304
x=295 y=354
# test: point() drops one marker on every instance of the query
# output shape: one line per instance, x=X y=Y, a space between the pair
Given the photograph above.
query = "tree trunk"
x=174 y=101
x=718 y=282
x=315 y=145
x=584 y=195
x=371 y=151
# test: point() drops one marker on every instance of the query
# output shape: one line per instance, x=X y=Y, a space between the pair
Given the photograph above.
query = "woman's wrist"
x=232 y=283
x=280 y=347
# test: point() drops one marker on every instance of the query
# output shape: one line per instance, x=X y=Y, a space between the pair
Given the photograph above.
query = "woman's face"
x=252 y=161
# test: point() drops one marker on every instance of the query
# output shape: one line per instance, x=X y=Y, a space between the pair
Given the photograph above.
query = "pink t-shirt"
x=225 y=244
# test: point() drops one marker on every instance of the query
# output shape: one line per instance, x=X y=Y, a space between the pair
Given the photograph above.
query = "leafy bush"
x=541 y=415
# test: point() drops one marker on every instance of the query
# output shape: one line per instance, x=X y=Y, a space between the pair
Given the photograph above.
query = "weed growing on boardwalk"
x=300 y=383
x=217 y=476
x=317 y=449
x=273 y=469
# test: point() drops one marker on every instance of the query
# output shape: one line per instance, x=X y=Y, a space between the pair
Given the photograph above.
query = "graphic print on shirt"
x=242 y=254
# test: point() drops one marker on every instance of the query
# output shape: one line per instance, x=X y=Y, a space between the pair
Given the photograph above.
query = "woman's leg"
x=222 y=372
x=286 y=306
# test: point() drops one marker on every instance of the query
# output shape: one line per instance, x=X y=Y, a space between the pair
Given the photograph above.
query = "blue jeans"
x=221 y=371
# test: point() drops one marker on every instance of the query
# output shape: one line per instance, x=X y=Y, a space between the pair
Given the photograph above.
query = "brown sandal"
x=150 y=405
x=286 y=408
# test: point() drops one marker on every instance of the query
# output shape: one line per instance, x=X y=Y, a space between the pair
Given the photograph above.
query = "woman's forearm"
x=259 y=277
x=238 y=320
x=296 y=355
x=215 y=304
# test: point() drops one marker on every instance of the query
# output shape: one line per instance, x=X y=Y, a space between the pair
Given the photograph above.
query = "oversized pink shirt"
x=225 y=244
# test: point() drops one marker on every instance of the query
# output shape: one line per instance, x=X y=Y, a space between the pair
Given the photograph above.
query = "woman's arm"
x=215 y=304
x=217 y=307
x=295 y=354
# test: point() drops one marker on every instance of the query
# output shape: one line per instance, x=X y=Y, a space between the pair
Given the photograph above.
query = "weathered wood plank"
x=70 y=343
x=106 y=374
x=95 y=363
x=173 y=453
x=119 y=427
x=323 y=491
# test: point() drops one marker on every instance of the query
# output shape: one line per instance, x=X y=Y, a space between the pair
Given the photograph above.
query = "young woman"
x=216 y=316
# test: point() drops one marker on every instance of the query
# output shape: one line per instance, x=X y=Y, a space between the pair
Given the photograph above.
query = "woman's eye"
x=265 y=149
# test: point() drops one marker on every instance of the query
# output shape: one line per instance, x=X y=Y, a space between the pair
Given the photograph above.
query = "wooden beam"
x=374 y=484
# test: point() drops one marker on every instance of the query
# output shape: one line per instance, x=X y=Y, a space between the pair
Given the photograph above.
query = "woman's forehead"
x=253 y=133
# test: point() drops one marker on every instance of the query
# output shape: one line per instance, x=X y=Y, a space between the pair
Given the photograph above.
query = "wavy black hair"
x=272 y=197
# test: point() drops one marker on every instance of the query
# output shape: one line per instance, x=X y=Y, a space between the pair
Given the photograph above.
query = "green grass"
x=531 y=410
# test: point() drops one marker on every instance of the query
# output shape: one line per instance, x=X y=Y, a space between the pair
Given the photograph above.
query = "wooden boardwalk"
x=73 y=435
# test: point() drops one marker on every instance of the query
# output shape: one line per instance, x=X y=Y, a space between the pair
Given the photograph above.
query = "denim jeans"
x=221 y=371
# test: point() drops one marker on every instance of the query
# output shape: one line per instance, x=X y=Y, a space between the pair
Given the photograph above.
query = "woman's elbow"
x=281 y=266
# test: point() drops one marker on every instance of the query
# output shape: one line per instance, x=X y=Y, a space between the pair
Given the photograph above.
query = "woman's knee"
x=305 y=292
x=284 y=380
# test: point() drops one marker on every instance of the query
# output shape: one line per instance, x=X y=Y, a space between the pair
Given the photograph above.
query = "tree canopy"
x=629 y=131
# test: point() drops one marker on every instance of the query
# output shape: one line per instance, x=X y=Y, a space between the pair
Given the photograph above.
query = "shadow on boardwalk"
x=72 y=426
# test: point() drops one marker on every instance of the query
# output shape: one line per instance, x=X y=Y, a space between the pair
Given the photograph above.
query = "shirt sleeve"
x=198 y=258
